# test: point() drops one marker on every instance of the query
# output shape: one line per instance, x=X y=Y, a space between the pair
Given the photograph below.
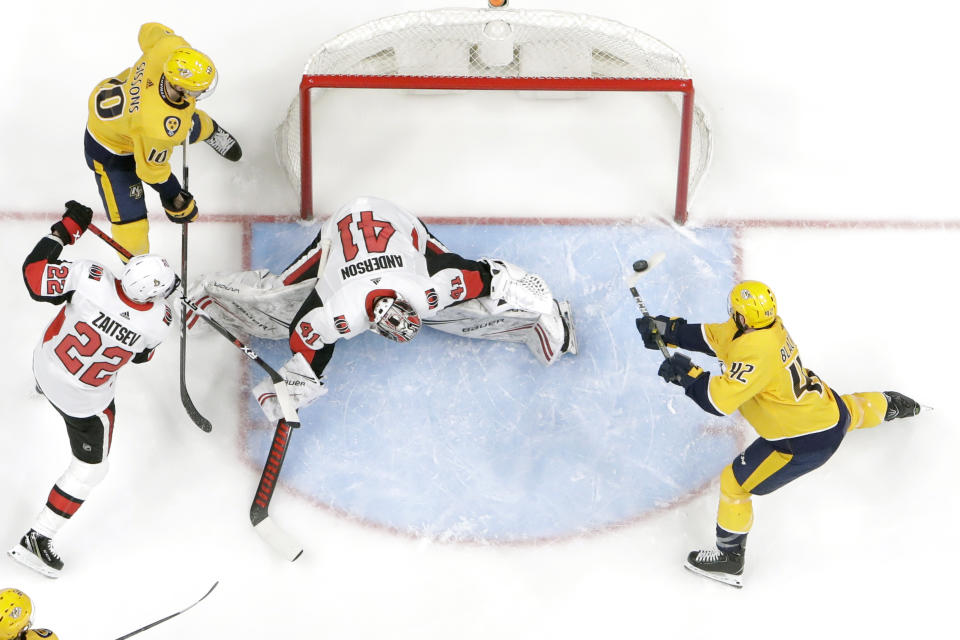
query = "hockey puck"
x=640 y=265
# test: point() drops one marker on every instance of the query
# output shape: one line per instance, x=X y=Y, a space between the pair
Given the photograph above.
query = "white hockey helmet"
x=394 y=318
x=148 y=276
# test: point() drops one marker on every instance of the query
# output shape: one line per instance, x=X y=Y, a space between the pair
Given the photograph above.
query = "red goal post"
x=463 y=50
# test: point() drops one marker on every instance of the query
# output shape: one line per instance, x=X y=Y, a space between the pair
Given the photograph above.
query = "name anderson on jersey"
x=115 y=330
x=371 y=264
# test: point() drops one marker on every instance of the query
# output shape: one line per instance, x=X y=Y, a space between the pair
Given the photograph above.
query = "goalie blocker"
x=377 y=251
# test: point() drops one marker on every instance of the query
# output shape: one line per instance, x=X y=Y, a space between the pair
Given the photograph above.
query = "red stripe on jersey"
x=62 y=503
x=473 y=283
x=139 y=306
x=433 y=247
x=109 y=413
x=416 y=239
x=34 y=274
x=293 y=277
x=55 y=326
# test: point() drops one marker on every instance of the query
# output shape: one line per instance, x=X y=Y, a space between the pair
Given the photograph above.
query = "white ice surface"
x=822 y=111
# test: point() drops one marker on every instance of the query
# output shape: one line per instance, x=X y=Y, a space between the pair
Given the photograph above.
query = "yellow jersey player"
x=801 y=421
x=16 y=611
x=137 y=118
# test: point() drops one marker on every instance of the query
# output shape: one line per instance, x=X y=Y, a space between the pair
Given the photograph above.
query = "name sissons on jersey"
x=369 y=265
x=110 y=327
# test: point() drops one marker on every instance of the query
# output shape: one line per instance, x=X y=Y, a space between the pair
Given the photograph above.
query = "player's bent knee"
x=866 y=409
x=729 y=487
x=81 y=477
x=133 y=236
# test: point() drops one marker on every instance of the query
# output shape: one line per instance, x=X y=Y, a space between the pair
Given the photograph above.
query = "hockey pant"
x=90 y=439
x=767 y=465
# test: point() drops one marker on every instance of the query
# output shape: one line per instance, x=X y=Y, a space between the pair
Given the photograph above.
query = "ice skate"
x=569 y=330
x=899 y=406
x=36 y=551
x=725 y=567
x=224 y=143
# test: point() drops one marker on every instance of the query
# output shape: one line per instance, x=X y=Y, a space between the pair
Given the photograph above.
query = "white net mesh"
x=495 y=43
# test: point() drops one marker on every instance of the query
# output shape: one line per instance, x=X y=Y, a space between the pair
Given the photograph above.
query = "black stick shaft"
x=172 y=615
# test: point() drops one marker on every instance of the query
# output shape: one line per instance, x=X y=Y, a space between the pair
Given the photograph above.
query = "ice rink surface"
x=829 y=182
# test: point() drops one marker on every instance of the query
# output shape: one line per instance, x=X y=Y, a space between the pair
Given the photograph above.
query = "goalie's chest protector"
x=375 y=247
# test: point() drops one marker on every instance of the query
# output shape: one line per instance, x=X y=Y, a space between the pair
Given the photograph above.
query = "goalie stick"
x=265 y=527
x=172 y=615
x=640 y=267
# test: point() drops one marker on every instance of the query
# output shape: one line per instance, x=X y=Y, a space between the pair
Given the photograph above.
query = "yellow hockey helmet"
x=190 y=70
x=15 y=612
x=754 y=303
x=40 y=634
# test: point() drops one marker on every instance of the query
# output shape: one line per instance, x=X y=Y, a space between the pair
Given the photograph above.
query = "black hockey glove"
x=666 y=327
x=182 y=208
x=680 y=370
x=74 y=222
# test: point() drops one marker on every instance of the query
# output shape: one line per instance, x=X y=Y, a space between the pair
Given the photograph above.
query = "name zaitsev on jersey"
x=131 y=113
x=763 y=377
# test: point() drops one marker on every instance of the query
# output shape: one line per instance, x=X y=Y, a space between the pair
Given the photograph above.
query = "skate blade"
x=566 y=313
x=31 y=561
x=725 y=578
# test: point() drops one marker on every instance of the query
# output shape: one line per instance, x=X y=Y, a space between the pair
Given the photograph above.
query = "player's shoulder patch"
x=95 y=271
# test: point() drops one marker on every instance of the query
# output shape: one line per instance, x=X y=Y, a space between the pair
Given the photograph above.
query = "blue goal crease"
x=461 y=439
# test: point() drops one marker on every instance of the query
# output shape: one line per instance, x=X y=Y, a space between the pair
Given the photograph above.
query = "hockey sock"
x=68 y=494
x=735 y=512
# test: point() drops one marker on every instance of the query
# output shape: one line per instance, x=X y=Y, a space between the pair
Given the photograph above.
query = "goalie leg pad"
x=548 y=336
x=252 y=303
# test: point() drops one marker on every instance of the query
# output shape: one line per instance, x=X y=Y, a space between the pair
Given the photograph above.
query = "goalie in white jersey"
x=375 y=266
x=103 y=324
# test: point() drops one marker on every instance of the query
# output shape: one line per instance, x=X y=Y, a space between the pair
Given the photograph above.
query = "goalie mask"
x=148 y=276
x=394 y=318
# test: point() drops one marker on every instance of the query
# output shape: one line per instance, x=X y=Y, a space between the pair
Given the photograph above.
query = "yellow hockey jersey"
x=763 y=377
x=132 y=113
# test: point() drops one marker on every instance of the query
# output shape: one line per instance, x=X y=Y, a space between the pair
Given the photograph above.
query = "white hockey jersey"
x=375 y=249
x=96 y=332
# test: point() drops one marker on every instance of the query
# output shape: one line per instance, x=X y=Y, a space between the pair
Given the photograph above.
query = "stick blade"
x=278 y=539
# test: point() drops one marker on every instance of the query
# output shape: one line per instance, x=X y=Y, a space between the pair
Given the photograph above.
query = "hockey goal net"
x=543 y=53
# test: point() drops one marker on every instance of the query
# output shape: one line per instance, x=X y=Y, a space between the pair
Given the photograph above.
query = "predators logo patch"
x=171 y=125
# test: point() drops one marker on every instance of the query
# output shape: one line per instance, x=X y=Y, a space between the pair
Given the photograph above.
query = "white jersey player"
x=375 y=266
x=103 y=324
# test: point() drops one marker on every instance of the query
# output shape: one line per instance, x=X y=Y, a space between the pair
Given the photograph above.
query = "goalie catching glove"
x=303 y=387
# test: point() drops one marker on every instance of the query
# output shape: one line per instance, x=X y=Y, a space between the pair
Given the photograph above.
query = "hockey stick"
x=195 y=415
x=640 y=267
x=266 y=528
x=191 y=409
x=172 y=615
